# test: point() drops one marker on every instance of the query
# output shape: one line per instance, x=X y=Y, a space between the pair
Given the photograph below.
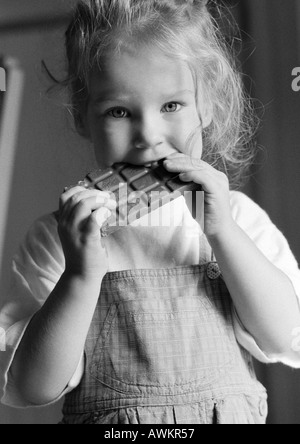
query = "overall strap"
x=206 y=252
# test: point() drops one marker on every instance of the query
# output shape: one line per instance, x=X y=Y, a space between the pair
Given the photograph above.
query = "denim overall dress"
x=161 y=349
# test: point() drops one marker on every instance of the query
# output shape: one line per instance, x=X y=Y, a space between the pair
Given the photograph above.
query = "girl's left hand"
x=215 y=184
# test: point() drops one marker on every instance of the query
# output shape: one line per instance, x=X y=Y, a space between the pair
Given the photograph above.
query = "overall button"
x=263 y=407
x=213 y=271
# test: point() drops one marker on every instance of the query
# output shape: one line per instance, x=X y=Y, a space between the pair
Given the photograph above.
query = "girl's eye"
x=171 y=107
x=118 y=113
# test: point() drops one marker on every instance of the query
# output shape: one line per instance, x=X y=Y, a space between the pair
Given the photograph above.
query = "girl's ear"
x=205 y=106
x=206 y=114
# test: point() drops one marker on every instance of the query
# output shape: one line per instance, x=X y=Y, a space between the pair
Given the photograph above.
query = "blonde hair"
x=184 y=29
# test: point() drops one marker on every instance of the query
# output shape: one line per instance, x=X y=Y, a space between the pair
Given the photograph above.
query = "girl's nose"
x=149 y=133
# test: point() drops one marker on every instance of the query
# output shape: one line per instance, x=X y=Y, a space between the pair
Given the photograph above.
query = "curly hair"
x=188 y=30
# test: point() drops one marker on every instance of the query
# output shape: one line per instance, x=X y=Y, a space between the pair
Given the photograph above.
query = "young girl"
x=170 y=338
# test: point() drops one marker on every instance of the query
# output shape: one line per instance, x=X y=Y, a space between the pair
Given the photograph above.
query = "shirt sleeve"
x=36 y=269
x=272 y=243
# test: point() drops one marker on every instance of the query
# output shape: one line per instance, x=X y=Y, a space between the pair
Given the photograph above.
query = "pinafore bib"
x=161 y=349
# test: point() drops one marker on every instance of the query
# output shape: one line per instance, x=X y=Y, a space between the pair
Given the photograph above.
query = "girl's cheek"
x=113 y=144
x=188 y=139
x=118 y=139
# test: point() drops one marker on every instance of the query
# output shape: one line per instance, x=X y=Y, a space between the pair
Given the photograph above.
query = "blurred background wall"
x=50 y=155
x=271 y=49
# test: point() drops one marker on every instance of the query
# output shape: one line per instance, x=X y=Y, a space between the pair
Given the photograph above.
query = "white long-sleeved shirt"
x=39 y=264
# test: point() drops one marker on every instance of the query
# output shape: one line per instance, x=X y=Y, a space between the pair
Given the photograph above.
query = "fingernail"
x=105 y=194
x=102 y=215
x=111 y=203
x=103 y=198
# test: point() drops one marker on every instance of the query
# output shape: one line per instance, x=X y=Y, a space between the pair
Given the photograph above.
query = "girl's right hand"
x=82 y=213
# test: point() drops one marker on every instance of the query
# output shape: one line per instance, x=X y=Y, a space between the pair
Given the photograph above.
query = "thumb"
x=101 y=216
x=96 y=221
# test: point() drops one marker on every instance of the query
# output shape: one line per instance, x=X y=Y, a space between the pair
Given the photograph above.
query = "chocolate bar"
x=138 y=190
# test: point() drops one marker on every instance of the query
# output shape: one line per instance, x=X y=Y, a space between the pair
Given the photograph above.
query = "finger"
x=100 y=197
x=204 y=178
x=86 y=206
x=175 y=155
x=101 y=216
x=68 y=194
x=96 y=221
x=81 y=183
x=185 y=164
x=81 y=190
x=73 y=197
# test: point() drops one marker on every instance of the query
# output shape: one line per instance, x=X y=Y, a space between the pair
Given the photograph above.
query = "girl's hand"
x=215 y=184
x=82 y=213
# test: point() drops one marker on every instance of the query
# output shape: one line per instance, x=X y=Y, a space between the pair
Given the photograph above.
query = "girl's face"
x=142 y=107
